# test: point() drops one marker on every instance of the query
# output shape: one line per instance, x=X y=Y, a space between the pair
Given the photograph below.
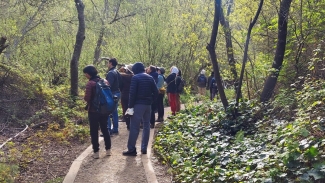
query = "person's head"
x=160 y=70
x=129 y=68
x=112 y=63
x=147 y=69
x=203 y=72
x=122 y=70
x=90 y=71
x=179 y=72
x=152 y=68
x=174 y=69
x=138 y=68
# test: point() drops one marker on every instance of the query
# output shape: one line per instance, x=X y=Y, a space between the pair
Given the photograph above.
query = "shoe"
x=160 y=120
x=114 y=133
x=96 y=155
x=129 y=153
x=101 y=135
x=152 y=126
x=143 y=151
x=108 y=152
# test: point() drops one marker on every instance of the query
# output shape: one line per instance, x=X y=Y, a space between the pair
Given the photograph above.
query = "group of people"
x=204 y=83
x=141 y=91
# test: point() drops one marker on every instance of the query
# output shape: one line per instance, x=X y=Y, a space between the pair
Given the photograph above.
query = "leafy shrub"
x=205 y=144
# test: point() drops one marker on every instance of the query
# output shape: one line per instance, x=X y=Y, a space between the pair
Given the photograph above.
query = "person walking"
x=172 y=90
x=202 y=83
x=143 y=91
x=154 y=74
x=161 y=95
x=96 y=120
x=209 y=83
x=115 y=81
x=126 y=79
x=213 y=88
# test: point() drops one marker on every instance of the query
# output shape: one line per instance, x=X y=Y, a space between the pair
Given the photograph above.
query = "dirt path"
x=122 y=169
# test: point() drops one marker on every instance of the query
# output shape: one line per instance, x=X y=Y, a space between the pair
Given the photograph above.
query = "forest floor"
x=53 y=162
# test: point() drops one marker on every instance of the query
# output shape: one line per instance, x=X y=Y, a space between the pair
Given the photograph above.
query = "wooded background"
x=41 y=35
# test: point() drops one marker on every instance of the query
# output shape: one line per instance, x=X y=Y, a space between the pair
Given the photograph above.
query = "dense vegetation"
x=278 y=141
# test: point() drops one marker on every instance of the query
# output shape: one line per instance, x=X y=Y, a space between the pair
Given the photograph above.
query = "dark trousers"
x=125 y=103
x=153 y=108
x=213 y=93
x=160 y=106
x=96 y=120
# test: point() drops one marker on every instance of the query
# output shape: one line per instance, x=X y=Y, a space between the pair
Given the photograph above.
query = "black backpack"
x=119 y=80
x=181 y=86
x=104 y=101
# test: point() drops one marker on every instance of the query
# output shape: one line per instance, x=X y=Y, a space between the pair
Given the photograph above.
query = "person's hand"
x=129 y=112
x=106 y=82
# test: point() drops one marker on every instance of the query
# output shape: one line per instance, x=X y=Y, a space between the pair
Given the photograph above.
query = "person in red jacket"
x=95 y=119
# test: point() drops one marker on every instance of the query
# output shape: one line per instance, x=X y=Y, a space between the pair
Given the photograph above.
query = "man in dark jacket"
x=143 y=91
x=114 y=79
x=202 y=83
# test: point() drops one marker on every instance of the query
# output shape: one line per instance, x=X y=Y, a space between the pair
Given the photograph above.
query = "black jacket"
x=114 y=79
x=172 y=83
x=143 y=89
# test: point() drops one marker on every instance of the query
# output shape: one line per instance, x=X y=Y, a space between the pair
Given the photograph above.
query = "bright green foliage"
x=200 y=146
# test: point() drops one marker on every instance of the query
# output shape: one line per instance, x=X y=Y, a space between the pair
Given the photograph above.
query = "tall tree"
x=279 y=53
x=211 y=47
x=77 y=48
x=248 y=36
x=230 y=50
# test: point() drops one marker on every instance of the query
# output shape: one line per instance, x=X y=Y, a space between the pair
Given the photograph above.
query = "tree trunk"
x=230 y=51
x=211 y=47
x=279 y=53
x=77 y=48
x=98 y=46
x=3 y=44
x=250 y=27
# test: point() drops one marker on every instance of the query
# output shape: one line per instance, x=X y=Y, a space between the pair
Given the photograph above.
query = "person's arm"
x=133 y=92
x=110 y=78
x=88 y=92
x=154 y=89
x=160 y=82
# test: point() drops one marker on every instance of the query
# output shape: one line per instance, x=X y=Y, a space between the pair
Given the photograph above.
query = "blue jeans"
x=141 y=114
x=115 y=117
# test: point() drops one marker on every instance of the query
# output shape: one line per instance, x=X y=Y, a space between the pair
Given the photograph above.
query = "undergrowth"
x=282 y=141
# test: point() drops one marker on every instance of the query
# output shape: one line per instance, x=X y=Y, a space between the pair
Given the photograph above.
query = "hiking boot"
x=129 y=153
x=114 y=133
x=108 y=152
x=160 y=120
x=96 y=155
x=152 y=126
x=143 y=151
